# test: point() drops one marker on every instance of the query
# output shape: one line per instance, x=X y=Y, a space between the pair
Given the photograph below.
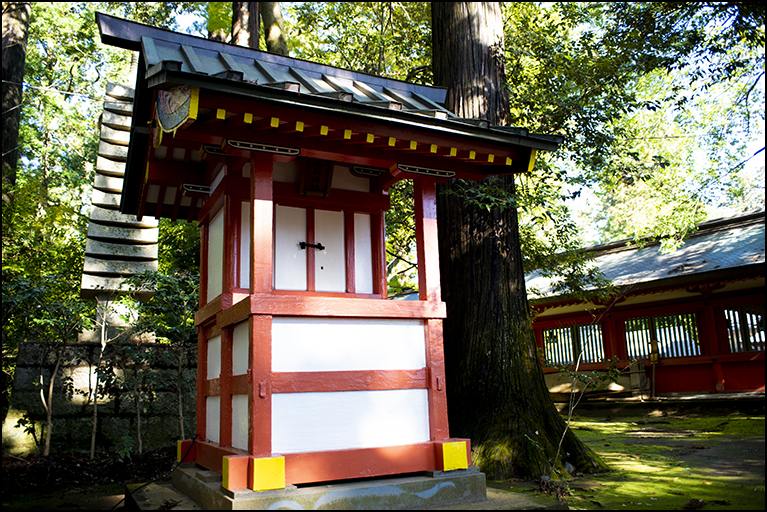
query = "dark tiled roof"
x=720 y=245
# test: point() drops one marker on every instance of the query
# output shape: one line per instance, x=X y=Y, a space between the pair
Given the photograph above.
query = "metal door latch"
x=318 y=245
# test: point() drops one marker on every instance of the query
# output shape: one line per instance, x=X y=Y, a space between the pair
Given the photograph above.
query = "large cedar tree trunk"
x=274 y=28
x=497 y=396
x=15 y=32
x=245 y=24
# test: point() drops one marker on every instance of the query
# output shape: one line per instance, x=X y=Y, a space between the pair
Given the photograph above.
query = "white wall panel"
x=345 y=344
x=240 y=421
x=240 y=349
x=308 y=422
x=289 y=258
x=213 y=418
x=214 y=358
x=363 y=254
x=345 y=180
x=215 y=255
x=330 y=263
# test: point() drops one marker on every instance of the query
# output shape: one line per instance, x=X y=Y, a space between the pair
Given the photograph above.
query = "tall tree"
x=274 y=28
x=497 y=395
x=245 y=24
x=15 y=31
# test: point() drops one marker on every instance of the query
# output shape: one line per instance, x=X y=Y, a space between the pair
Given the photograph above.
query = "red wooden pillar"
x=425 y=197
x=260 y=326
x=262 y=212
x=202 y=341
x=435 y=360
x=260 y=386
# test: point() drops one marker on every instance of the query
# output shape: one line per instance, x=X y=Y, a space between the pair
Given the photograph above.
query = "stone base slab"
x=430 y=489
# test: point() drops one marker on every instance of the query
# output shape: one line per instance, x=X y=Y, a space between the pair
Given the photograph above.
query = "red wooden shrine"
x=306 y=373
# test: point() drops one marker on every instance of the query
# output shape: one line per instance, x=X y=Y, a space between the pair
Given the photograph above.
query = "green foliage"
x=401 y=265
x=179 y=247
x=659 y=105
x=127 y=448
x=169 y=314
x=391 y=39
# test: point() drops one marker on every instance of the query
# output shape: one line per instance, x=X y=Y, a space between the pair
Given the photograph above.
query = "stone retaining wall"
x=73 y=407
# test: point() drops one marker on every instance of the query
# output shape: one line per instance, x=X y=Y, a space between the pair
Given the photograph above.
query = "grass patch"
x=665 y=463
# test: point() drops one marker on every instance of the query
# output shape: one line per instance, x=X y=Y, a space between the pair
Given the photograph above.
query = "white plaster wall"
x=213 y=418
x=286 y=172
x=214 y=358
x=218 y=178
x=240 y=421
x=344 y=179
x=240 y=349
x=308 y=422
x=245 y=246
x=215 y=255
x=363 y=254
x=289 y=258
x=330 y=263
x=345 y=344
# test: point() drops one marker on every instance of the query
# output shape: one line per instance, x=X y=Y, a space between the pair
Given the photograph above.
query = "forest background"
x=661 y=106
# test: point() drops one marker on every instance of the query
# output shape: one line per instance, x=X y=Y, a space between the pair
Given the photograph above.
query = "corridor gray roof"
x=719 y=245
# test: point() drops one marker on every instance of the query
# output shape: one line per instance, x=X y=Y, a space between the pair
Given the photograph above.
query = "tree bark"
x=496 y=390
x=245 y=24
x=274 y=28
x=15 y=33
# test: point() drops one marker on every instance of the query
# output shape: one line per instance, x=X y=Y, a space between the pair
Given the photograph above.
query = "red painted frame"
x=261 y=303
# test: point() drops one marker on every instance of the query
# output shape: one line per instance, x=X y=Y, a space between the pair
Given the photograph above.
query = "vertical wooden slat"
x=225 y=380
x=351 y=285
x=203 y=264
x=202 y=375
x=377 y=225
x=311 y=270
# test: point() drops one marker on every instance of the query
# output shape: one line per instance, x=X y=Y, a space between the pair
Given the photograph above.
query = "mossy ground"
x=670 y=463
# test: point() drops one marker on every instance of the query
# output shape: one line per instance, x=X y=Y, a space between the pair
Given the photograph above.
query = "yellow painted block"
x=347 y=134
x=194 y=103
x=490 y=158
x=299 y=126
x=370 y=138
x=472 y=155
x=433 y=148
x=508 y=160
x=323 y=130
x=454 y=456
x=225 y=473
x=392 y=141
x=533 y=152
x=220 y=113
x=453 y=151
x=268 y=473
x=413 y=144
x=275 y=122
x=178 y=451
x=248 y=118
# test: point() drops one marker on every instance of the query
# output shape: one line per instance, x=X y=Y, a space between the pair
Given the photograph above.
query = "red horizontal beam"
x=358 y=463
x=369 y=380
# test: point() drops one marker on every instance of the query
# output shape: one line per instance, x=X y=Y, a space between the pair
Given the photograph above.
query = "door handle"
x=318 y=245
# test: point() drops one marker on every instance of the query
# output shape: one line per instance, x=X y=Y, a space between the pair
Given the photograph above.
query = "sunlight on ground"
x=664 y=463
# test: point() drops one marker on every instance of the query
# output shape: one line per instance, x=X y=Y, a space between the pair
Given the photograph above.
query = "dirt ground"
x=662 y=456
x=71 y=481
